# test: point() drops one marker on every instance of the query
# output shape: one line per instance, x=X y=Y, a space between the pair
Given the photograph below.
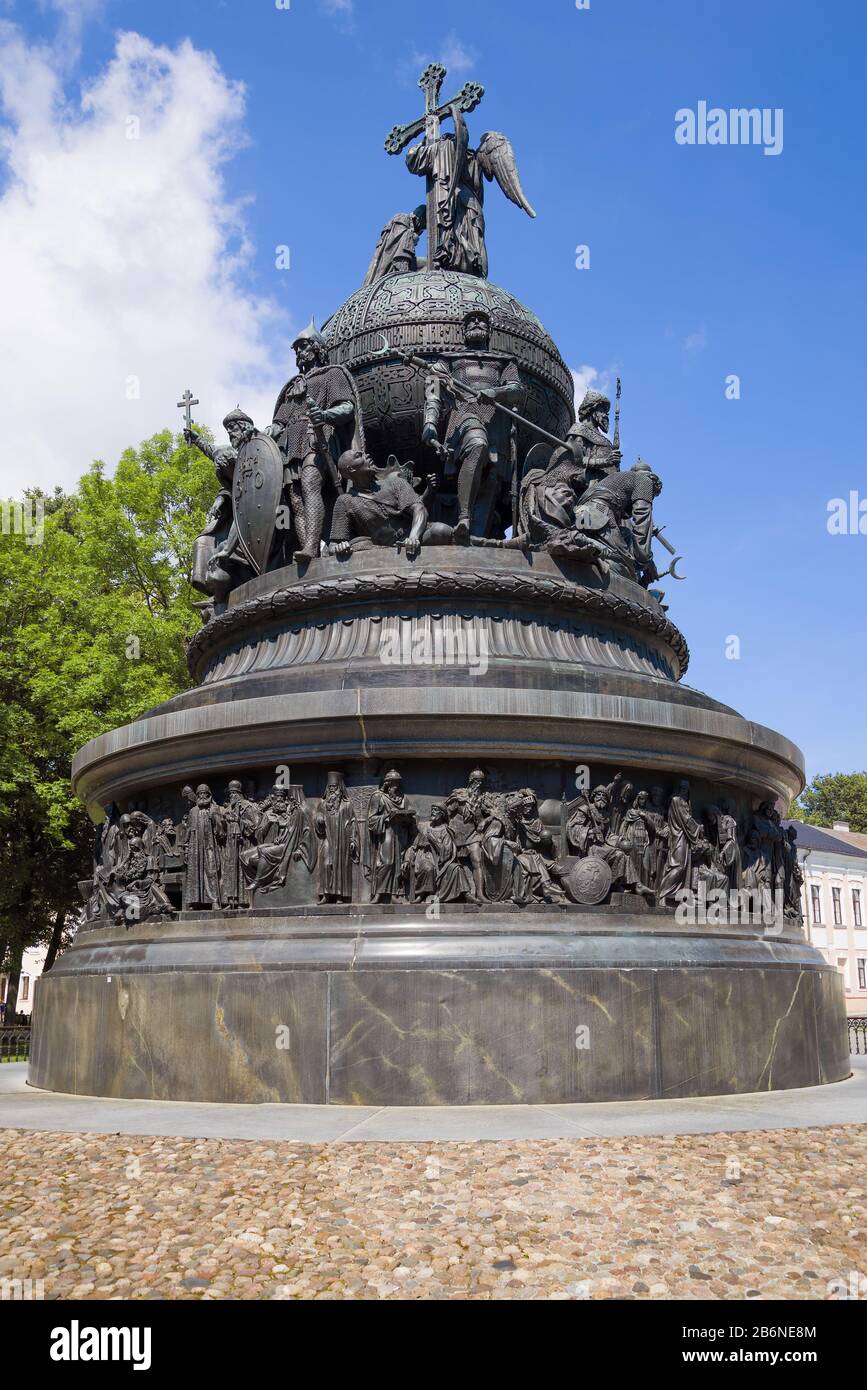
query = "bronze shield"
x=257 y=489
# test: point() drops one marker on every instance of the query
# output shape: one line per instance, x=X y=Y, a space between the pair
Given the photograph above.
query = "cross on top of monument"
x=431 y=82
x=185 y=404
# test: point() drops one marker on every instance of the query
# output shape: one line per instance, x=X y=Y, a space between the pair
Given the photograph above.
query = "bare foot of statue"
x=461 y=533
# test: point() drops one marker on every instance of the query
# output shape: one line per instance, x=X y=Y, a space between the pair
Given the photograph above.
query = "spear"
x=468 y=394
x=616 y=439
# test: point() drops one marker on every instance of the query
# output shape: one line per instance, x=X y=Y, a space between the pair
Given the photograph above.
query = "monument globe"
x=439 y=803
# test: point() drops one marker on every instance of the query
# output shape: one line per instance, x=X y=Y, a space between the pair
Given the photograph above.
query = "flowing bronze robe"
x=336 y=829
x=202 y=879
x=390 y=823
x=684 y=832
x=284 y=831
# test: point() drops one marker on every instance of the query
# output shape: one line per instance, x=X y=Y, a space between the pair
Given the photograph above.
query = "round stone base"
x=385 y=1006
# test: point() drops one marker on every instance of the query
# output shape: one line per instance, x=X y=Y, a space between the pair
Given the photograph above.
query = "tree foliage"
x=94 y=618
x=834 y=796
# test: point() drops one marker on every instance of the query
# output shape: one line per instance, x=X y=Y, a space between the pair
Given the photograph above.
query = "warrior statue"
x=617 y=511
x=395 y=250
x=316 y=418
x=219 y=562
x=600 y=454
x=380 y=507
x=476 y=435
x=550 y=493
x=455 y=175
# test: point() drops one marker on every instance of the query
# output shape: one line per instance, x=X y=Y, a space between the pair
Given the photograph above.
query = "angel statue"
x=455 y=175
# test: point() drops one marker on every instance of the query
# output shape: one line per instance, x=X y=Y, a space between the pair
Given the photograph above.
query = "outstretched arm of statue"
x=200 y=443
x=342 y=530
x=221 y=511
x=419 y=522
x=420 y=158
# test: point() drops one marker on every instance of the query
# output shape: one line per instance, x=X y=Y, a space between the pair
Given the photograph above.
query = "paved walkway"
x=774 y=1215
x=21 y=1107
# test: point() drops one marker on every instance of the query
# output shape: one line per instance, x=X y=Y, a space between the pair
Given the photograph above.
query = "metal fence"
x=14 y=1044
x=858 y=1036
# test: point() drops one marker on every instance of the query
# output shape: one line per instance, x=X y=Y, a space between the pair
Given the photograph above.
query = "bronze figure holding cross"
x=455 y=174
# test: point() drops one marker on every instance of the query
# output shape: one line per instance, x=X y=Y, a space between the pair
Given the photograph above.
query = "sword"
x=672 y=569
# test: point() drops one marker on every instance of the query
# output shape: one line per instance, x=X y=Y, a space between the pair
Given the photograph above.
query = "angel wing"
x=497 y=161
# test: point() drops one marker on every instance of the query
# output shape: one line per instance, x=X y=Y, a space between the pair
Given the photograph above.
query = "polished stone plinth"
x=367 y=1006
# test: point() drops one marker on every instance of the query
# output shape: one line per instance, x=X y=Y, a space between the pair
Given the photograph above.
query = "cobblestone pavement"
x=773 y=1214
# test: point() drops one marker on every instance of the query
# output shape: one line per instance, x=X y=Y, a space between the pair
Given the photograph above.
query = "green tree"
x=94 y=618
x=834 y=796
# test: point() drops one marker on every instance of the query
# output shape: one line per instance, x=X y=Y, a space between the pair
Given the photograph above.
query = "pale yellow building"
x=834 y=901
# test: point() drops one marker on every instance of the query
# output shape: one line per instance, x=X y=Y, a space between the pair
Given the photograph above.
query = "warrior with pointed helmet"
x=316 y=418
x=601 y=456
x=219 y=562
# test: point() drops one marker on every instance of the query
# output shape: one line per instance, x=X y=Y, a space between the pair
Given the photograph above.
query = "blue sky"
x=705 y=261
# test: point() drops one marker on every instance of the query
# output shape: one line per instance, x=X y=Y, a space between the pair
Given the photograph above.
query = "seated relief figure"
x=533 y=851
x=140 y=891
x=128 y=888
x=432 y=866
x=284 y=833
x=589 y=832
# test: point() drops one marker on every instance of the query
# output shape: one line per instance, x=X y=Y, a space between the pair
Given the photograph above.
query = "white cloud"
x=338 y=6
x=456 y=56
x=121 y=257
x=72 y=17
x=695 y=342
x=587 y=378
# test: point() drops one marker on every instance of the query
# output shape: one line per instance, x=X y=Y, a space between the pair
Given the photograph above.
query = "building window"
x=841 y=966
x=862 y=973
x=817 y=902
x=25 y=986
x=838 y=907
x=856 y=905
